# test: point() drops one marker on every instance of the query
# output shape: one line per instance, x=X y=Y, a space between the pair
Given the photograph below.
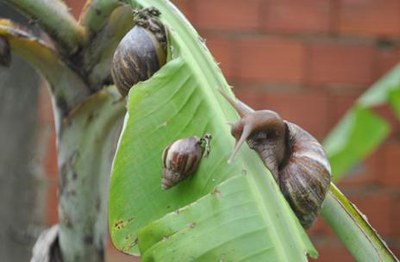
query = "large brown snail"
x=141 y=52
x=182 y=158
x=296 y=160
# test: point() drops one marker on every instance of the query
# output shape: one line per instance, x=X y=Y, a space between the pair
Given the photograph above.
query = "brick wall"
x=308 y=60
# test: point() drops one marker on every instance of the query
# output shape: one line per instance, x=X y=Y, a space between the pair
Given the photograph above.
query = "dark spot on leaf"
x=62 y=104
x=120 y=224
x=62 y=181
x=192 y=225
x=88 y=239
x=127 y=237
x=132 y=244
x=98 y=204
x=89 y=118
x=216 y=193
x=130 y=219
x=66 y=220
x=97 y=11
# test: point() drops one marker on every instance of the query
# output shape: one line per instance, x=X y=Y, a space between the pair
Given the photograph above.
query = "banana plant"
x=232 y=212
x=74 y=57
x=225 y=212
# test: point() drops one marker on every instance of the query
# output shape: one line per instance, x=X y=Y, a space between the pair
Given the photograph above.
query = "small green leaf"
x=378 y=93
x=394 y=100
x=355 y=137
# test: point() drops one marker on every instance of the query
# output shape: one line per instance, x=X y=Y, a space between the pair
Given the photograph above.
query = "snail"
x=141 y=52
x=5 y=52
x=296 y=160
x=182 y=158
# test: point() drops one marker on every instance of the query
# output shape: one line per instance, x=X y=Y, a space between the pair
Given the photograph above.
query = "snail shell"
x=296 y=160
x=182 y=158
x=307 y=173
x=5 y=52
x=141 y=52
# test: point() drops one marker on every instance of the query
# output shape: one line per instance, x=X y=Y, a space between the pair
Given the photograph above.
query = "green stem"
x=55 y=19
x=98 y=56
x=96 y=13
x=86 y=147
x=354 y=231
x=67 y=87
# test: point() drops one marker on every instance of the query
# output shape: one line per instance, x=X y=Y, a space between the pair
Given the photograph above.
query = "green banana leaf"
x=228 y=212
x=223 y=212
x=361 y=131
x=357 y=135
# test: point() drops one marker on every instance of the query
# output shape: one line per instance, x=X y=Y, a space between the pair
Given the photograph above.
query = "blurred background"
x=306 y=59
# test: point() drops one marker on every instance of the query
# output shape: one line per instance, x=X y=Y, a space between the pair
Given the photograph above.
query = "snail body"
x=182 y=158
x=295 y=158
x=141 y=52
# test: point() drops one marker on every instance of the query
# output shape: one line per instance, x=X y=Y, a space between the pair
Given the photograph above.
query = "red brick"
x=248 y=96
x=221 y=49
x=75 y=6
x=50 y=156
x=45 y=110
x=364 y=173
x=369 y=17
x=231 y=15
x=332 y=250
x=185 y=6
x=301 y=16
x=270 y=60
x=386 y=60
x=391 y=171
x=339 y=104
x=396 y=251
x=341 y=64
x=386 y=112
x=377 y=208
x=52 y=203
x=395 y=220
x=307 y=110
x=320 y=230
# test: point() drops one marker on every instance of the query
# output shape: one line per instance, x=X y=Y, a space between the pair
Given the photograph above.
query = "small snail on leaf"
x=141 y=52
x=182 y=158
x=5 y=52
x=296 y=160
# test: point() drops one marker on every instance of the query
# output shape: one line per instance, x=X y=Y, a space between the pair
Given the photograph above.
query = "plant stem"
x=352 y=228
x=86 y=146
x=67 y=87
x=95 y=14
x=55 y=19
x=98 y=55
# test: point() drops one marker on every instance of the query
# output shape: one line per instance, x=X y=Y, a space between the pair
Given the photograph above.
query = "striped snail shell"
x=296 y=160
x=182 y=158
x=5 y=52
x=141 y=52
